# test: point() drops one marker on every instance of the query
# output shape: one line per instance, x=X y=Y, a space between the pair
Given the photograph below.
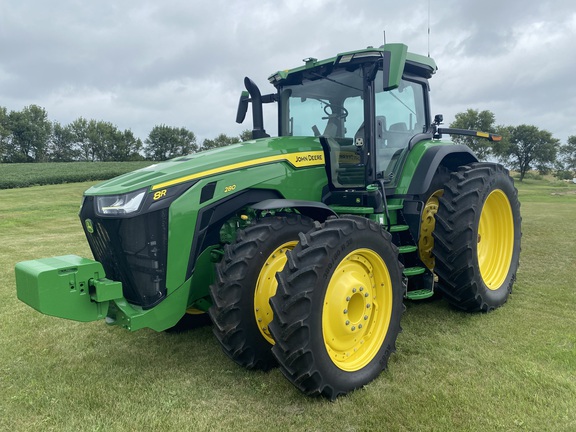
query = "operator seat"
x=397 y=139
x=398 y=135
x=380 y=132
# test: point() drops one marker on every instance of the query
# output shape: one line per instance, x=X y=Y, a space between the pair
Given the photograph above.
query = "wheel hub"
x=495 y=239
x=357 y=310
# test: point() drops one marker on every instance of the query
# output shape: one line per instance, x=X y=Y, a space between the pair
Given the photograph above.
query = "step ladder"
x=415 y=272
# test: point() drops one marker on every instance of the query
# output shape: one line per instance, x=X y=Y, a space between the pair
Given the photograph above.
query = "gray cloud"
x=516 y=61
x=143 y=63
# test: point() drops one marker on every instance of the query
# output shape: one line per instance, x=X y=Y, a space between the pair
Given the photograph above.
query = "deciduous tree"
x=102 y=136
x=568 y=154
x=166 y=142
x=131 y=147
x=475 y=120
x=4 y=133
x=62 y=148
x=246 y=135
x=527 y=147
x=79 y=129
x=108 y=143
x=30 y=133
x=221 y=140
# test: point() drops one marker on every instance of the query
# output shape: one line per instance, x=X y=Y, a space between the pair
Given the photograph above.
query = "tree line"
x=29 y=136
x=522 y=148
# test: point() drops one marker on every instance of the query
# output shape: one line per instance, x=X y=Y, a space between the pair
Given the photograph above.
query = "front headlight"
x=120 y=204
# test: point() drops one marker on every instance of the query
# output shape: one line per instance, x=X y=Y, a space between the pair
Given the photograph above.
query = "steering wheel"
x=343 y=112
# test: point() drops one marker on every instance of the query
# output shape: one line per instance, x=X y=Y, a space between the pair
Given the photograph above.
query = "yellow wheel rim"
x=427 y=225
x=495 y=239
x=357 y=310
x=194 y=311
x=266 y=287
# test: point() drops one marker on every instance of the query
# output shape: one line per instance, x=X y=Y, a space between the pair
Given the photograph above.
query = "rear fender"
x=450 y=156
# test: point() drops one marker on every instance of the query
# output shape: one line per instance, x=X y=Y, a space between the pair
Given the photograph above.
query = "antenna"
x=428 y=28
x=384 y=31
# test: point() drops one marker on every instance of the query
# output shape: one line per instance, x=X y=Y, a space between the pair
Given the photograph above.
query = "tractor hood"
x=297 y=151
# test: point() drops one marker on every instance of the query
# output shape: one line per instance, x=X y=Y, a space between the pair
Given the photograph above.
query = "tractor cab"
x=366 y=107
x=364 y=130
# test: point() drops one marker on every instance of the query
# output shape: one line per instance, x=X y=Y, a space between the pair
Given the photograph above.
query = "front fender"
x=313 y=209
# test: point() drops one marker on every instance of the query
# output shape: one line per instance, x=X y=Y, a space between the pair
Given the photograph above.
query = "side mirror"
x=242 y=107
x=394 y=61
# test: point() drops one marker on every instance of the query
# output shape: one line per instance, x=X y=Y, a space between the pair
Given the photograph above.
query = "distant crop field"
x=513 y=369
x=35 y=174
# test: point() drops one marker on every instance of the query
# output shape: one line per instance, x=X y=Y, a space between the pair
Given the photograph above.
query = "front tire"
x=477 y=237
x=190 y=321
x=338 y=306
x=245 y=281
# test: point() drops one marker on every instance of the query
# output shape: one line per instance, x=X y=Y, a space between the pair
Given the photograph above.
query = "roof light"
x=278 y=76
x=348 y=57
x=310 y=61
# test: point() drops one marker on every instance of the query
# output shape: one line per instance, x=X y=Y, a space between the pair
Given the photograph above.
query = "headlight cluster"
x=120 y=204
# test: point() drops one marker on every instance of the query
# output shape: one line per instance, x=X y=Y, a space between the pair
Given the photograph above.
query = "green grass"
x=513 y=369
x=32 y=174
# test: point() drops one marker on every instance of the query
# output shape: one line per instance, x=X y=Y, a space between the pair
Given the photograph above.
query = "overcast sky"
x=143 y=63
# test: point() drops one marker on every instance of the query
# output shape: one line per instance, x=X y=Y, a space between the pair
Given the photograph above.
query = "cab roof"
x=413 y=63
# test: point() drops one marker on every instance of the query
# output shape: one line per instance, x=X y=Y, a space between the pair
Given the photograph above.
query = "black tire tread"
x=231 y=325
x=292 y=304
x=455 y=236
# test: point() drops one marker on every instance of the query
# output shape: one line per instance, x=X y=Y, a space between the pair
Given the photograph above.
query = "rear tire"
x=477 y=237
x=427 y=221
x=338 y=306
x=245 y=281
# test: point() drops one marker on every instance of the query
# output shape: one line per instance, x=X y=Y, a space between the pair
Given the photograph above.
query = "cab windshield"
x=332 y=107
x=316 y=107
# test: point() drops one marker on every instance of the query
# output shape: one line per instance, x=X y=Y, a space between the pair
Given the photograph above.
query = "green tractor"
x=301 y=248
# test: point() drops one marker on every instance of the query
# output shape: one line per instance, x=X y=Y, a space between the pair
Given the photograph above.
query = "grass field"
x=32 y=174
x=513 y=369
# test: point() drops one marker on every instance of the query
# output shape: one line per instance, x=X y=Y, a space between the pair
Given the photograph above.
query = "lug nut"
x=347 y=298
x=345 y=311
x=347 y=322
